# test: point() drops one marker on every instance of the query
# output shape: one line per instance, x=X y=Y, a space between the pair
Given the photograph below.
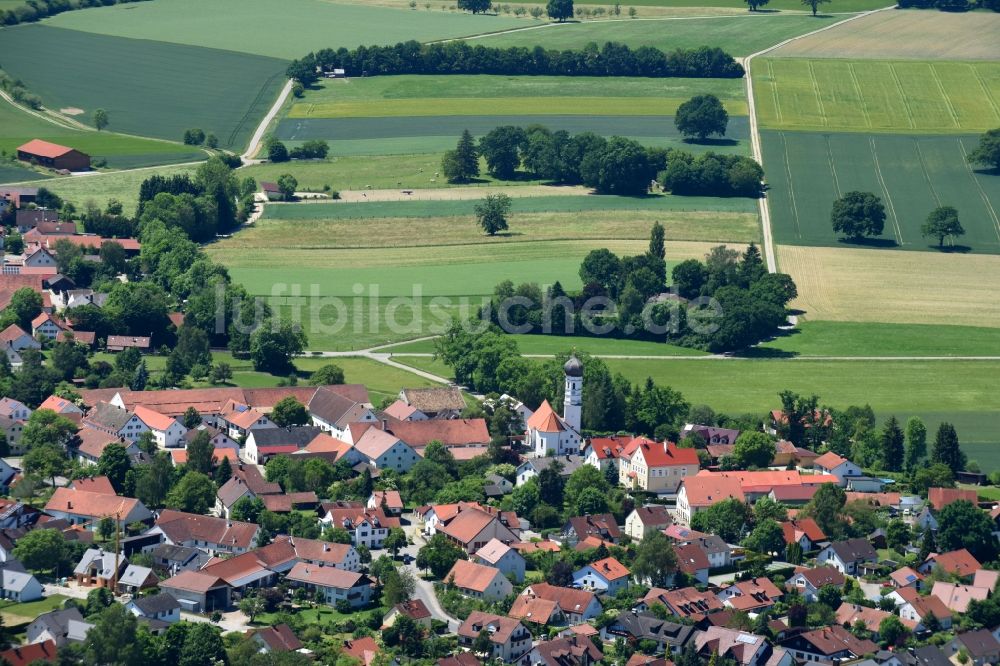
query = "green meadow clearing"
x=892 y=96
x=12 y=173
x=828 y=338
x=553 y=344
x=250 y=25
x=737 y=35
x=913 y=175
x=782 y=5
x=159 y=89
x=18 y=127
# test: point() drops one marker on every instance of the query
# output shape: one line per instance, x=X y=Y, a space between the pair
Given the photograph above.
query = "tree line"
x=614 y=165
x=36 y=10
x=950 y=5
x=457 y=57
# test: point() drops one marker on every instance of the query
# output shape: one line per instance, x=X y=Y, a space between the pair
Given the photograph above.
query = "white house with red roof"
x=607 y=575
x=501 y=556
x=603 y=452
x=547 y=431
x=701 y=491
x=83 y=507
x=167 y=431
x=238 y=419
x=478 y=581
x=838 y=466
x=61 y=406
x=655 y=467
x=46 y=325
x=384 y=450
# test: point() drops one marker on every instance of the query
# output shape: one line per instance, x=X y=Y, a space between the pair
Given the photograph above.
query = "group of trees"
x=36 y=10
x=951 y=5
x=711 y=174
x=197 y=137
x=458 y=57
x=612 y=166
x=314 y=149
x=858 y=215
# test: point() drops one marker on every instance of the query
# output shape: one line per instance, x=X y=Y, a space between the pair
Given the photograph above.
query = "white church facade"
x=551 y=434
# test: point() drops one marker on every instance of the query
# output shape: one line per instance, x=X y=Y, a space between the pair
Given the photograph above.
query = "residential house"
x=246 y=481
x=604 y=452
x=925 y=520
x=709 y=434
x=654 y=467
x=178 y=558
x=534 y=466
x=810 y=580
x=217 y=536
x=90 y=443
x=135 y=579
x=717 y=551
x=59 y=626
x=606 y=576
x=958 y=563
x=415 y=609
x=939 y=498
x=161 y=607
x=743 y=648
x=47 y=326
x=828 y=645
x=751 y=596
x=19 y=586
x=198 y=591
x=980 y=646
x=363 y=649
x=838 y=466
x=401 y=411
x=334 y=584
x=848 y=556
x=500 y=556
x=383 y=450
x=116 y=421
x=367 y=527
x=577 y=605
x=32 y=653
x=99 y=568
x=604 y=526
x=14 y=409
x=333 y=411
x=16 y=338
x=12 y=430
x=81 y=507
x=864 y=484
x=915 y=607
x=646 y=519
x=388 y=500
x=849 y=614
x=670 y=637
x=565 y=651
x=167 y=431
x=958 y=597
x=279 y=638
x=699 y=492
x=509 y=639
x=542 y=612
x=906 y=577
x=497 y=486
x=239 y=420
x=692 y=560
x=803 y=531
x=478 y=581
x=473 y=529
x=685 y=602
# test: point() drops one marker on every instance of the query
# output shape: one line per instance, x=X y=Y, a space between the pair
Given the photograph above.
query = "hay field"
x=148 y=88
x=920 y=35
x=913 y=175
x=286 y=29
x=861 y=285
x=737 y=35
x=883 y=96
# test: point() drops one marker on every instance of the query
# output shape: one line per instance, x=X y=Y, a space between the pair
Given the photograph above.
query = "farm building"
x=117 y=343
x=271 y=191
x=53 y=155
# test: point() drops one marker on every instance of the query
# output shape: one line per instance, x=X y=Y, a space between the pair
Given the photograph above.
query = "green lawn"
x=825 y=338
x=549 y=345
x=18 y=127
x=123 y=186
x=260 y=27
x=426 y=364
x=159 y=90
x=807 y=171
x=793 y=5
x=32 y=609
x=988 y=493
x=737 y=35
x=915 y=97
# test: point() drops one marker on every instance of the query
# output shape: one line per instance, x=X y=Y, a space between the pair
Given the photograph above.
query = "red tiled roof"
x=414 y=609
x=610 y=569
x=570 y=600
x=193 y=581
x=691 y=558
x=153 y=419
x=942 y=497
x=532 y=609
x=666 y=454
x=471 y=576
x=478 y=620
x=466 y=525
x=706 y=490
x=821 y=576
x=796 y=529
x=98 y=484
x=685 y=602
x=545 y=419
x=279 y=638
x=94 y=441
x=26 y=654
x=84 y=503
x=12 y=333
x=180 y=526
x=44 y=148
x=958 y=562
x=305 y=572
x=924 y=604
x=833 y=639
x=829 y=460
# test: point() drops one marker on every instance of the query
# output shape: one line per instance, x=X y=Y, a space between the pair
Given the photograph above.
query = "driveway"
x=425 y=589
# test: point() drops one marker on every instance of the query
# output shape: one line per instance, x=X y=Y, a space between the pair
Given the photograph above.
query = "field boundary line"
x=947 y=100
x=774 y=91
x=902 y=96
x=791 y=188
x=755 y=143
x=861 y=95
x=885 y=190
x=819 y=98
x=923 y=168
x=986 y=90
x=982 y=192
x=833 y=167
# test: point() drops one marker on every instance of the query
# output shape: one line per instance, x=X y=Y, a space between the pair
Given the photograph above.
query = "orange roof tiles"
x=44 y=148
x=958 y=562
x=660 y=455
x=706 y=490
x=545 y=419
x=570 y=600
x=829 y=460
x=610 y=569
x=942 y=497
x=98 y=484
x=153 y=419
x=533 y=609
x=471 y=576
x=85 y=503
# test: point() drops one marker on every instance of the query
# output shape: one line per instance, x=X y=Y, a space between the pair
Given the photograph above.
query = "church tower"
x=573 y=400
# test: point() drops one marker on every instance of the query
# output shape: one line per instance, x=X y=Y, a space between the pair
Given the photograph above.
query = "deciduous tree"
x=857 y=215
x=988 y=151
x=942 y=223
x=492 y=212
x=560 y=10
x=100 y=119
x=655 y=560
x=701 y=117
x=289 y=412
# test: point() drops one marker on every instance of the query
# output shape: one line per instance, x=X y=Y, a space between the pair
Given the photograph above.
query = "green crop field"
x=806 y=172
x=737 y=35
x=783 y=5
x=286 y=30
x=897 y=96
x=159 y=89
x=100 y=187
x=18 y=127
x=828 y=338
x=11 y=172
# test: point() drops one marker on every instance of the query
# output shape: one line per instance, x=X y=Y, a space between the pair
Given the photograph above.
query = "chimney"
x=69 y=505
x=229 y=523
x=385 y=424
